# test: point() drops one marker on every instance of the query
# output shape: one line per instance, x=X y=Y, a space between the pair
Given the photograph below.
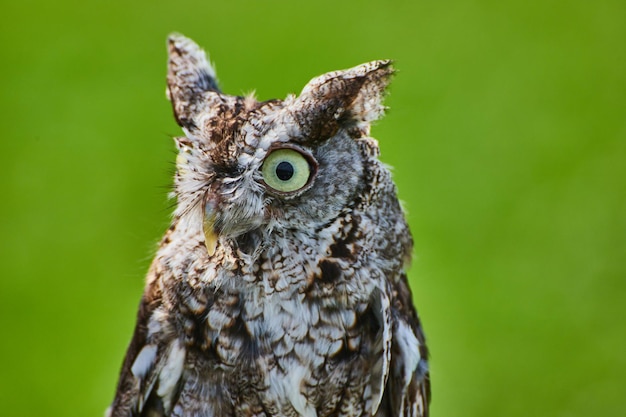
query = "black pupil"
x=284 y=171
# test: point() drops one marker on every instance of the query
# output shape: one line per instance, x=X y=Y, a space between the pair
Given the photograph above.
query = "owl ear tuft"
x=348 y=98
x=191 y=81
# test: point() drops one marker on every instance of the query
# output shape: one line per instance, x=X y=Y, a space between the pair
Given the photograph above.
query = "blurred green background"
x=507 y=131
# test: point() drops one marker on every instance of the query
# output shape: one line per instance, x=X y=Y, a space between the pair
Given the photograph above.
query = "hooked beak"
x=208 y=227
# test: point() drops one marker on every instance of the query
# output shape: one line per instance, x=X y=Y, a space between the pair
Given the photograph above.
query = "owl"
x=280 y=288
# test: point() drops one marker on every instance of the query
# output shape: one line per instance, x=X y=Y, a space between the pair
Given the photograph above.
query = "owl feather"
x=280 y=287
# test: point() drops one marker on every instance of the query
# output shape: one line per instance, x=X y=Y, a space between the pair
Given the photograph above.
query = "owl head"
x=283 y=166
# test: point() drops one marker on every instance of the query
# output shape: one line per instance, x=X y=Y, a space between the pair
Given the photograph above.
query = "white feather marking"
x=293 y=382
x=155 y=325
x=381 y=307
x=171 y=372
x=144 y=361
x=409 y=347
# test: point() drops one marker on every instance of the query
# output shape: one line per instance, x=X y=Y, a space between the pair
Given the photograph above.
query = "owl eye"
x=286 y=170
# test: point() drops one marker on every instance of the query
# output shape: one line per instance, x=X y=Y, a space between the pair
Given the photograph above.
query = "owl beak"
x=208 y=227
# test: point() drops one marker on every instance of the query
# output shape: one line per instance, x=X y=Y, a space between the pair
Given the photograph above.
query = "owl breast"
x=296 y=334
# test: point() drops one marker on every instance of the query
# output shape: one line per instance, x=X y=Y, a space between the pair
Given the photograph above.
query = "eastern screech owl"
x=280 y=287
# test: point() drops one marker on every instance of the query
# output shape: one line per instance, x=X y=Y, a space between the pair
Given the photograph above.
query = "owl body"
x=279 y=289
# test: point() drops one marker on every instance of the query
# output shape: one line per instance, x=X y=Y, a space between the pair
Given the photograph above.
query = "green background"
x=507 y=131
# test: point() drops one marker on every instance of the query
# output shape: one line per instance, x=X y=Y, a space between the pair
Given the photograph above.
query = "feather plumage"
x=270 y=296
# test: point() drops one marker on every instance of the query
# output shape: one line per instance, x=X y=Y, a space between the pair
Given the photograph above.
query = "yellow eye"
x=286 y=170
